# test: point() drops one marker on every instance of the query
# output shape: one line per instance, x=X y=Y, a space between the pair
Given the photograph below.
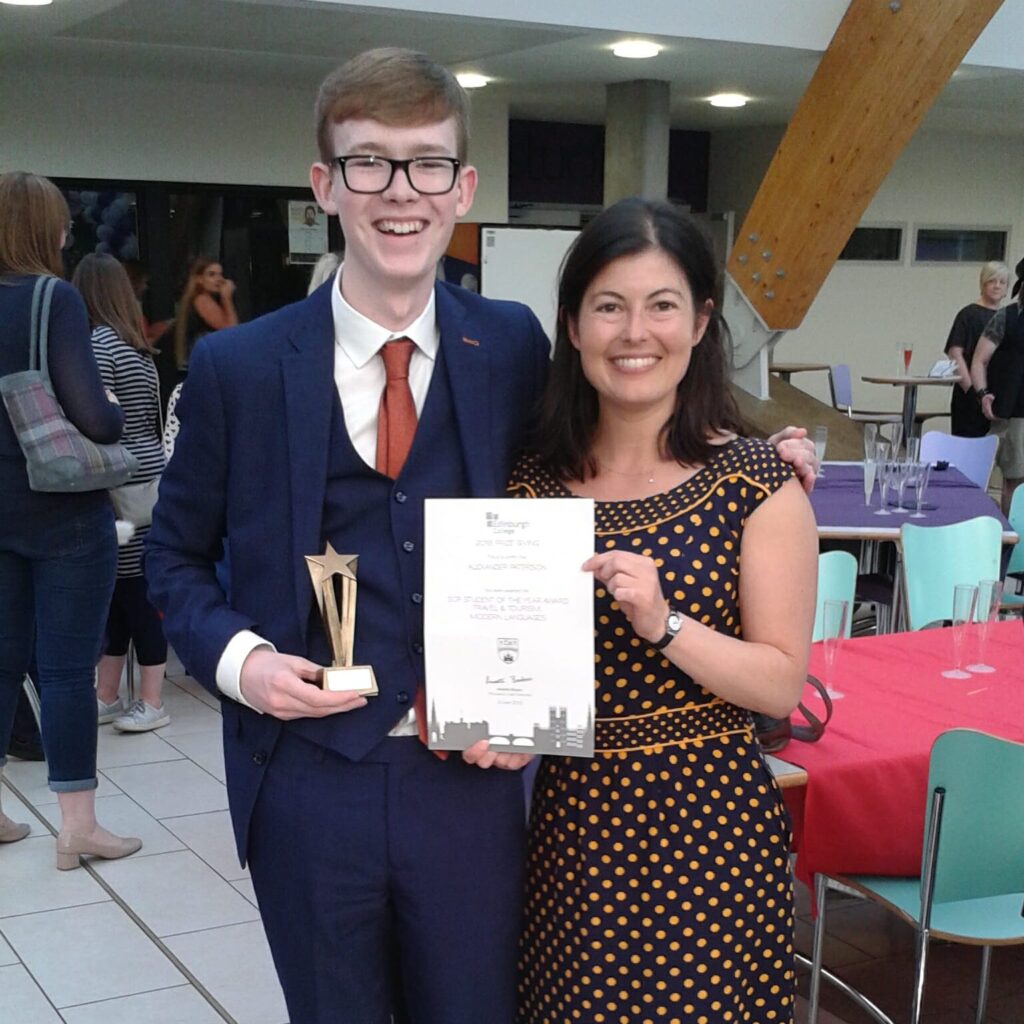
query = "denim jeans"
x=55 y=587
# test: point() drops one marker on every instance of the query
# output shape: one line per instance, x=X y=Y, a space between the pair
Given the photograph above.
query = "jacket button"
x=401 y=497
x=402 y=697
x=417 y=648
x=417 y=599
x=260 y=757
x=407 y=545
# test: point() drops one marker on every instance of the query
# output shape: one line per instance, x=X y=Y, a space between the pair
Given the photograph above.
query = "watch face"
x=674 y=622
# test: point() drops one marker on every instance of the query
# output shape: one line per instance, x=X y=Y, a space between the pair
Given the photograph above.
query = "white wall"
x=862 y=310
x=78 y=123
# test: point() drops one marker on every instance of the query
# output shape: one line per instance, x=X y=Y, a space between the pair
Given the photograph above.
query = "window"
x=878 y=243
x=960 y=245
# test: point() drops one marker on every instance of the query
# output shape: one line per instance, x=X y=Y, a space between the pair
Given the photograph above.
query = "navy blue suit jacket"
x=250 y=467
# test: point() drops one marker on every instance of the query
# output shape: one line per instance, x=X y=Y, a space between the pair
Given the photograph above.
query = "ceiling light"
x=470 y=80
x=27 y=3
x=728 y=99
x=636 y=49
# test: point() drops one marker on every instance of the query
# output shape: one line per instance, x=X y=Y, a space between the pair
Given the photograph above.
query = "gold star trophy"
x=334 y=583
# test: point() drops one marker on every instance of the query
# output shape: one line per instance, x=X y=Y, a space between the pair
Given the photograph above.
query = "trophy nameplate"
x=334 y=583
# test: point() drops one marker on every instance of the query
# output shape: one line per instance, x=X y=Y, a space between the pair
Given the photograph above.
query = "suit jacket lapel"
x=307 y=373
x=468 y=362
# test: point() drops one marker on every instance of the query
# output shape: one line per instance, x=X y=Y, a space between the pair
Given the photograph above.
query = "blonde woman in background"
x=965 y=409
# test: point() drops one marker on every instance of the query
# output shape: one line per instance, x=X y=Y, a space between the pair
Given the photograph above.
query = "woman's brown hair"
x=33 y=213
x=188 y=296
x=110 y=299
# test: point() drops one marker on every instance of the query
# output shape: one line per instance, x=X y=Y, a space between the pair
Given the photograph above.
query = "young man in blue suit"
x=385 y=875
x=388 y=879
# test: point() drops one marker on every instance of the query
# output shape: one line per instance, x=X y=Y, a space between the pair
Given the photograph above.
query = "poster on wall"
x=307 y=232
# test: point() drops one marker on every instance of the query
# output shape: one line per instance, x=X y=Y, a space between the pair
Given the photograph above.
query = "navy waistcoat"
x=381 y=520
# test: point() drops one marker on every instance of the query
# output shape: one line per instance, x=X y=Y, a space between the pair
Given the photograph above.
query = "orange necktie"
x=396 y=426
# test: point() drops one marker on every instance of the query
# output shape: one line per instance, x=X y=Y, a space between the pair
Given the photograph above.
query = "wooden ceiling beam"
x=879 y=76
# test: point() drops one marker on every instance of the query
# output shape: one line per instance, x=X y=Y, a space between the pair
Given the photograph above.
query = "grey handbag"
x=59 y=457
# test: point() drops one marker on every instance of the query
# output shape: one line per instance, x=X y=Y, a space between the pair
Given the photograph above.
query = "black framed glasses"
x=428 y=175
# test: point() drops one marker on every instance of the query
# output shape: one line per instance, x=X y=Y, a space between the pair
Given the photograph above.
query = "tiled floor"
x=172 y=934
x=168 y=936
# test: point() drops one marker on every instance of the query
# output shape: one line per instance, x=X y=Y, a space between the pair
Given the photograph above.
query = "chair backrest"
x=841 y=387
x=937 y=558
x=973 y=456
x=981 y=842
x=837 y=581
x=1016 y=517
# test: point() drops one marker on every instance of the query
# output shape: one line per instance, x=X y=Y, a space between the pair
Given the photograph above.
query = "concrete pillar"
x=636 y=140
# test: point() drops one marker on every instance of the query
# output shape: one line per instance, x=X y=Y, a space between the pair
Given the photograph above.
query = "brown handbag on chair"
x=774 y=733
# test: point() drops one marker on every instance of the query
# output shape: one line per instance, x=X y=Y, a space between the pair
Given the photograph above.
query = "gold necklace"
x=649 y=473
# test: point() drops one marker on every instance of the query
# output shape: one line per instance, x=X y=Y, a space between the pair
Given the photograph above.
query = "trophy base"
x=359 y=678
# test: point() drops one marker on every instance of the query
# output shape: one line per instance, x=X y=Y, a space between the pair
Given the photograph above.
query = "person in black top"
x=965 y=410
x=999 y=362
x=58 y=552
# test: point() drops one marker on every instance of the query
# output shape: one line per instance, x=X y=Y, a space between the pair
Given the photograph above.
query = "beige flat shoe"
x=70 y=847
x=12 y=831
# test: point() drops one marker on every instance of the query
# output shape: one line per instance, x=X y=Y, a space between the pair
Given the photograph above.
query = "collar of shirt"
x=360 y=339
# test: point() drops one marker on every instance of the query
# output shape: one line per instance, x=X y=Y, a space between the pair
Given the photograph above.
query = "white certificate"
x=509 y=624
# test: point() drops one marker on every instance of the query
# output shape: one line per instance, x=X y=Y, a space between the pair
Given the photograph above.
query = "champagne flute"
x=964 y=599
x=902 y=478
x=921 y=485
x=986 y=611
x=833 y=621
x=913 y=449
x=820 y=441
x=870 y=442
x=885 y=480
x=906 y=349
x=897 y=438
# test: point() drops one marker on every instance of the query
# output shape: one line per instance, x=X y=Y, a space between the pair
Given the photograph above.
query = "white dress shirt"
x=360 y=378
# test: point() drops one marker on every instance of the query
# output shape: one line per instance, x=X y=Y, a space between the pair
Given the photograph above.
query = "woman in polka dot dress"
x=658 y=879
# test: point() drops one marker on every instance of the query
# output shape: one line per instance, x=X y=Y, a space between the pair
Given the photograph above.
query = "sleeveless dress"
x=658 y=881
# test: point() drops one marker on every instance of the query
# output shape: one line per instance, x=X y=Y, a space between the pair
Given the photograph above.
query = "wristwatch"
x=982 y=392
x=673 y=623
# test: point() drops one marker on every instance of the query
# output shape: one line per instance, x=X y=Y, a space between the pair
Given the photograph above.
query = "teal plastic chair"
x=837 y=581
x=1015 y=567
x=937 y=558
x=971 y=884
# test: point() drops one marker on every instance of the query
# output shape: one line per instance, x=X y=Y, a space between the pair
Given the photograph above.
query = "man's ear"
x=320 y=181
x=466 y=186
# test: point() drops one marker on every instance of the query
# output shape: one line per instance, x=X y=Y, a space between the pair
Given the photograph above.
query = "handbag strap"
x=42 y=294
x=815 y=727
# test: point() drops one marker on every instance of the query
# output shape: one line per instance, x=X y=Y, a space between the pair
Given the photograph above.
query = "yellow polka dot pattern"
x=658 y=886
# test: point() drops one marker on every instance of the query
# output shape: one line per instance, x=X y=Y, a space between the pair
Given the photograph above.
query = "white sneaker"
x=141 y=717
x=108 y=712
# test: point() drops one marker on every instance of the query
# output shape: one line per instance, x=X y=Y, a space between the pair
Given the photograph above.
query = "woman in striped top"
x=126 y=365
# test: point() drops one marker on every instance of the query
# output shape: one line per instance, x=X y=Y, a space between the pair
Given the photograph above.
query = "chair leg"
x=986 y=967
x=920 y=963
x=33 y=701
x=818 y=950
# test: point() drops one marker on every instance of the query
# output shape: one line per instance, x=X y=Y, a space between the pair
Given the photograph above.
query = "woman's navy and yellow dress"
x=658 y=882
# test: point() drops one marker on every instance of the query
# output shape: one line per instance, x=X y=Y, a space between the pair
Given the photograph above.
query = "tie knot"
x=396 y=356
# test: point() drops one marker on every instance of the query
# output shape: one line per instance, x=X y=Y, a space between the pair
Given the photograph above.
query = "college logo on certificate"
x=509 y=624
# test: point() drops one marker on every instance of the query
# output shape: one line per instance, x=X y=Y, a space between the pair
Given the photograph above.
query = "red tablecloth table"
x=862 y=810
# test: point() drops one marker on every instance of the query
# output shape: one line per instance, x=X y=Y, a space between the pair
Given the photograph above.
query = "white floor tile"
x=32 y=883
x=125 y=817
x=17 y=811
x=197 y=690
x=245 y=982
x=245 y=887
x=205 y=748
x=176 y=892
x=168 y=1006
x=210 y=836
x=7 y=955
x=171 y=788
x=188 y=714
x=116 y=749
x=118 y=959
x=21 y=999
x=29 y=777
